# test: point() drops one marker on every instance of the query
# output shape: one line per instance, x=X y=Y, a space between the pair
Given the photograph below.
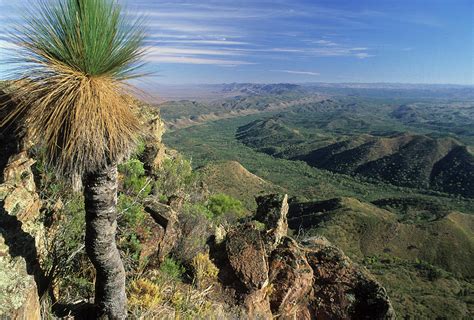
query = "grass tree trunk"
x=100 y=192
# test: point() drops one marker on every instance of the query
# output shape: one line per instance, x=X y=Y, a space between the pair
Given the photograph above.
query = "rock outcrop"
x=272 y=211
x=154 y=152
x=292 y=279
x=279 y=277
x=342 y=289
x=247 y=257
x=20 y=241
x=165 y=229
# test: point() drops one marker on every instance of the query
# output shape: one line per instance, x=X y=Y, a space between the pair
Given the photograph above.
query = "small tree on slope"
x=74 y=59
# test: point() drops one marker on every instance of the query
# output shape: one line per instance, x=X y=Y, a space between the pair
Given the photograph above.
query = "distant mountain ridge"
x=257 y=89
x=417 y=161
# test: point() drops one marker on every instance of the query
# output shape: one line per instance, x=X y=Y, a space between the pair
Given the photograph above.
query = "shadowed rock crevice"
x=9 y=140
x=22 y=244
x=21 y=235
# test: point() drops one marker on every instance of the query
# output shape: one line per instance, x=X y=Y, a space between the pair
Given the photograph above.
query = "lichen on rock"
x=20 y=240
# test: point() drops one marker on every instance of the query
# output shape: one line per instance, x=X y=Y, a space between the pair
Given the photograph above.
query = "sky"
x=207 y=41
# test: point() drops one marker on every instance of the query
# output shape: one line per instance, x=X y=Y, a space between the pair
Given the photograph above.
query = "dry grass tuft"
x=72 y=60
x=157 y=297
x=83 y=122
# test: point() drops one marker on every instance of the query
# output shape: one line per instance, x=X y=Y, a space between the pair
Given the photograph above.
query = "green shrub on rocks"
x=135 y=182
x=174 y=177
x=172 y=269
x=222 y=204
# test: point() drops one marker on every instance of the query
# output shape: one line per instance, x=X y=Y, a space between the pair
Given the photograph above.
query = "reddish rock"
x=247 y=257
x=342 y=289
x=257 y=305
x=291 y=278
x=166 y=228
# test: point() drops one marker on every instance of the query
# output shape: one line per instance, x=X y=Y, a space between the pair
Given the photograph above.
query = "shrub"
x=134 y=181
x=139 y=150
x=174 y=176
x=131 y=212
x=132 y=228
x=196 y=228
x=197 y=210
x=428 y=270
x=158 y=297
x=131 y=246
x=172 y=269
x=225 y=207
x=144 y=295
x=205 y=271
x=66 y=262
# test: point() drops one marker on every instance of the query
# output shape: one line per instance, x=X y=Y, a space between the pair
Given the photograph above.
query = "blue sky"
x=408 y=41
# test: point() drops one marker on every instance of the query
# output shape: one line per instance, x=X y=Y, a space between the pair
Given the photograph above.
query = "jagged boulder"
x=272 y=211
x=165 y=229
x=291 y=278
x=342 y=289
x=247 y=257
x=154 y=152
x=20 y=241
x=257 y=305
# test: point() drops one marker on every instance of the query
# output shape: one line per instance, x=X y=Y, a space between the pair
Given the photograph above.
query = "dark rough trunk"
x=100 y=192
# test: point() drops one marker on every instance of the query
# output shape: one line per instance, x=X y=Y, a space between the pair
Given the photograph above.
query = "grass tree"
x=75 y=58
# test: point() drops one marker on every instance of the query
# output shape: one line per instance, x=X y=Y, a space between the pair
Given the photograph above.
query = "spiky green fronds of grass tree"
x=71 y=93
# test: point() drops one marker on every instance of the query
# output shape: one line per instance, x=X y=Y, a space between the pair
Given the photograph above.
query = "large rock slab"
x=166 y=230
x=291 y=278
x=257 y=305
x=342 y=289
x=247 y=256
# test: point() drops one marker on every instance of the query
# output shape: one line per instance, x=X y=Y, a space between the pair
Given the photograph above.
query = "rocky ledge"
x=273 y=275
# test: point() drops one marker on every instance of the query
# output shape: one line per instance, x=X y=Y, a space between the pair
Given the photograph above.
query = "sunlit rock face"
x=21 y=243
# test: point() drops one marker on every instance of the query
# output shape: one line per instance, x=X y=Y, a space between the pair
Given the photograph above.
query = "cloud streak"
x=195 y=60
x=306 y=73
x=215 y=32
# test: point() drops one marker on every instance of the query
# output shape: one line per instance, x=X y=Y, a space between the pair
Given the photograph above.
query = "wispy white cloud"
x=195 y=55
x=325 y=43
x=326 y=51
x=190 y=28
x=185 y=41
x=363 y=55
x=235 y=34
x=196 y=60
x=201 y=33
x=306 y=73
x=191 y=51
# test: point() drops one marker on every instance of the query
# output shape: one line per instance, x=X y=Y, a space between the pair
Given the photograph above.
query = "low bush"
x=134 y=180
x=171 y=269
x=222 y=204
x=204 y=270
x=174 y=177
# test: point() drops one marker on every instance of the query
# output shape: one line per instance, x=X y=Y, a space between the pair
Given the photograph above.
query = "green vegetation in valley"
x=418 y=242
x=215 y=141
